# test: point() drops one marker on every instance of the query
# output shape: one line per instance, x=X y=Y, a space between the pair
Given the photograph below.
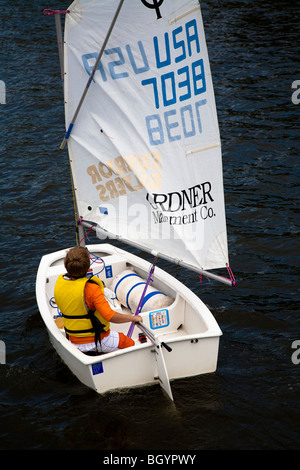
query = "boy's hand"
x=137 y=318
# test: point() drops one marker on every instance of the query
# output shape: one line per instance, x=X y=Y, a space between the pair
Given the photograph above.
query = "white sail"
x=145 y=149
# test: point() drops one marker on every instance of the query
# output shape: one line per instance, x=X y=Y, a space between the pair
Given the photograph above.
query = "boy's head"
x=77 y=261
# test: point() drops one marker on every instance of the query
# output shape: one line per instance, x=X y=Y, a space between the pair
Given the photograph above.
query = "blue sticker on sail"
x=103 y=210
x=97 y=368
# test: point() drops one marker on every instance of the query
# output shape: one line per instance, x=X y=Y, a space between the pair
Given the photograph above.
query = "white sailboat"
x=145 y=157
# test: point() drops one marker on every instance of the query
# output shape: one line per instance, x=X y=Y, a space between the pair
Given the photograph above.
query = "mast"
x=80 y=232
x=60 y=44
x=80 y=226
x=57 y=13
x=71 y=125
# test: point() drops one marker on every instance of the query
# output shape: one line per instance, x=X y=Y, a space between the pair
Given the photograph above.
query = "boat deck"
x=167 y=322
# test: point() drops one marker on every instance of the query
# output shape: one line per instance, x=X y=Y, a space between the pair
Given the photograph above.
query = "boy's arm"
x=96 y=300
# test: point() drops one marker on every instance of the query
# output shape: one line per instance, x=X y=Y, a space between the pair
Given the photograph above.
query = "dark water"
x=252 y=401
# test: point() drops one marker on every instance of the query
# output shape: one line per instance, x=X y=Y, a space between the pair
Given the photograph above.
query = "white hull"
x=191 y=330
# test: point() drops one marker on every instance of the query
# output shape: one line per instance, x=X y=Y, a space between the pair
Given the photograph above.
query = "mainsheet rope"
x=130 y=331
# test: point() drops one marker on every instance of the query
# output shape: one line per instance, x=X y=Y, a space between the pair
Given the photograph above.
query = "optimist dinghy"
x=145 y=157
x=178 y=327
